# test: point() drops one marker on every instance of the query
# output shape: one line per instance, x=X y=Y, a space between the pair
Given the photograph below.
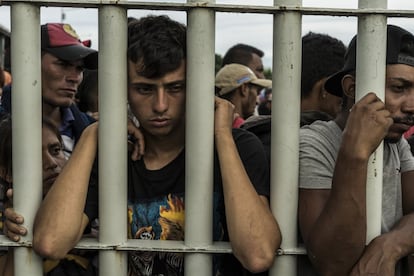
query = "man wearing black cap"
x=63 y=60
x=333 y=168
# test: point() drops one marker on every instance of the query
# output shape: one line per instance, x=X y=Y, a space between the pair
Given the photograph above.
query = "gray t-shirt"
x=319 y=146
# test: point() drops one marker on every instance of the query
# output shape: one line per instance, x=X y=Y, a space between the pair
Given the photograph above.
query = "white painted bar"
x=112 y=84
x=26 y=113
x=218 y=7
x=287 y=52
x=199 y=138
x=370 y=71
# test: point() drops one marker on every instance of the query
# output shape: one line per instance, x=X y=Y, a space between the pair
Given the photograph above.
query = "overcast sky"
x=231 y=28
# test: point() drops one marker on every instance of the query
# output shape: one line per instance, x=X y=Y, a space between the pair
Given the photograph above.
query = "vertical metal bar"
x=370 y=71
x=26 y=113
x=287 y=53
x=199 y=137
x=112 y=137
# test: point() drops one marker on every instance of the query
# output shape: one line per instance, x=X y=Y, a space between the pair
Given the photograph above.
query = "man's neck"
x=343 y=115
x=160 y=151
x=53 y=113
x=341 y=119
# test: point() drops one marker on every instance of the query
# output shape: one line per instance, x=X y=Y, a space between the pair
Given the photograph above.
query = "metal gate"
x=198 y=245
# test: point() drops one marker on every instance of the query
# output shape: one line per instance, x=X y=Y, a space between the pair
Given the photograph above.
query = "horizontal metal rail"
x=154 y=245
x=218 y=7
x=181 y=246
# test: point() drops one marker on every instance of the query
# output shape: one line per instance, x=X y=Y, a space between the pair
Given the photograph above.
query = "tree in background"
x=219 y=61
x=268 y=73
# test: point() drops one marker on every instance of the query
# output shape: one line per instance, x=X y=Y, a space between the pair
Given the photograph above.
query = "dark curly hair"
x=322 y=56
x=6 y=146
x=241 y=53
x=2 y=78
x=87 y=94
x=157 y=44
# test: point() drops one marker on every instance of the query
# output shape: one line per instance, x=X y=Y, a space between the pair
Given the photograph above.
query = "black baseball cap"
x=400 y=50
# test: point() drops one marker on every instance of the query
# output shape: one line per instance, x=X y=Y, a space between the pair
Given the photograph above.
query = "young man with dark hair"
x=322 y=55
x=156 y=182
x=333 y=170
x=246 y=55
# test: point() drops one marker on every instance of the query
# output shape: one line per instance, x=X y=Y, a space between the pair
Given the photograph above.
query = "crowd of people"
x=337 y=136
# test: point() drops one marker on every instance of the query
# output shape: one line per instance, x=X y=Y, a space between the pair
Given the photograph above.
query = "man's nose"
x=160 y=104
x=48 y=162
x=408 y=106
x=74 y=74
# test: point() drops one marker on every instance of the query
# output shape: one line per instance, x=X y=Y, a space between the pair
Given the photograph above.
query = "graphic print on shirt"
x=162 y=219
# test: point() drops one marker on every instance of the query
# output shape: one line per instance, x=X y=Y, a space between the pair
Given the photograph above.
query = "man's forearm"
x=336 y=239
x=60 y=220
x=254 y=246
x=402 y=235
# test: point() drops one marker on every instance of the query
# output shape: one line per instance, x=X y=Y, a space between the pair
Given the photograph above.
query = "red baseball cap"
x=62 y=41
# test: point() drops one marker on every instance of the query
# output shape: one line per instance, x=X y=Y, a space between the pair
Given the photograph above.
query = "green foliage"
x=219 y=60
x=268 y=73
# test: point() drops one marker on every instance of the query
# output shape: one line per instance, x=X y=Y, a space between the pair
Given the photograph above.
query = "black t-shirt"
x=144 y=184
x=156 y=208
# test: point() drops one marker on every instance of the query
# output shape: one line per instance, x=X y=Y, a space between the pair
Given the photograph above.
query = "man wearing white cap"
x=239 y=85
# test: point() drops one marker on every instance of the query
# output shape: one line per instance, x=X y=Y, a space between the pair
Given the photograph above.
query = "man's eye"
x=176 y=88
x=63 y=63
x=56 y=151
x=68 y=65
x=80 y=68
x=145 y=90
x=398 y=88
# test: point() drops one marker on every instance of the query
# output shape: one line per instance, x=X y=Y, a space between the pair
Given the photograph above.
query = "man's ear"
x=243 y=90
x=348 y=86
x=318 y=89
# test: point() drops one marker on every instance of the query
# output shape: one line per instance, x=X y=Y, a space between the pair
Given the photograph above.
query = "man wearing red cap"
x=64 y=57
x=63 y=60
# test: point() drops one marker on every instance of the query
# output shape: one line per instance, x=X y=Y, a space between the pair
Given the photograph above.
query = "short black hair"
x=322 y=56
x=241 y=54
x=2 y=78
x=88 y=91
x=5 y=146
x=131 y=19
x=157 y=44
